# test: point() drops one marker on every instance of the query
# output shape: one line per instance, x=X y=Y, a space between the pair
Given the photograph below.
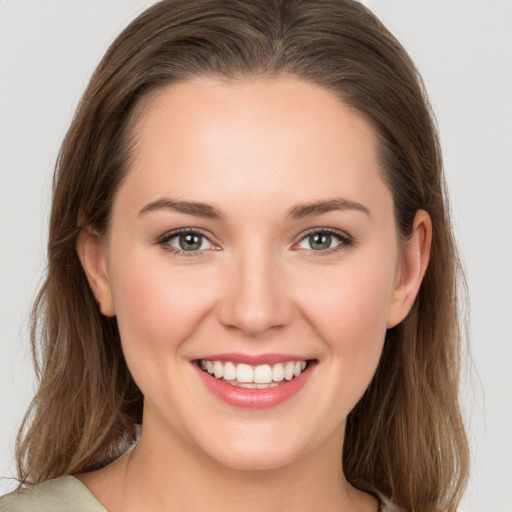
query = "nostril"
x=255 y=298
x=253 y=321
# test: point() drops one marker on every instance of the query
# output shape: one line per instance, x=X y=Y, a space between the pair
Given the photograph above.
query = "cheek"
x=157 y=306
x=350 y=315
x=354 y=301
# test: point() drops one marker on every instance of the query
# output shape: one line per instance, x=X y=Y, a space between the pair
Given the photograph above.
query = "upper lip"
x=253 y=359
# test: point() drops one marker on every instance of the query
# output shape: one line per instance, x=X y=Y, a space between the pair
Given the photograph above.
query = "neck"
x=179 y=477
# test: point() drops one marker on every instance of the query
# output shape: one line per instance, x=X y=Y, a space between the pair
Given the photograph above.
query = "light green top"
x=64 y=494
x=67 y=494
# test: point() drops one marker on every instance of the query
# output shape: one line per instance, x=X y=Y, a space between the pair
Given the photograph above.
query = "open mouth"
x=254 y=386
x=263 y=376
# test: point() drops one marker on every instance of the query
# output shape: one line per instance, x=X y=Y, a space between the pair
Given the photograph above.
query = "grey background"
x=463 y=48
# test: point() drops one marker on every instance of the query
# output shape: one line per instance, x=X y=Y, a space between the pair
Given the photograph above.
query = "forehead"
x=269 y=138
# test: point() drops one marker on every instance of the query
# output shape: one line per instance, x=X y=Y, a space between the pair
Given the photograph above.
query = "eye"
x=186 y=241
x=323 y=240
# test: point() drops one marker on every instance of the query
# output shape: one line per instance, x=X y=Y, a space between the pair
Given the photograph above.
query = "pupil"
x=320 y=241
x=190 y=242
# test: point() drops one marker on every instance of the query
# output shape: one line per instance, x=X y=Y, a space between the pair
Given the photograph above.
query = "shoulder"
x=64 y=494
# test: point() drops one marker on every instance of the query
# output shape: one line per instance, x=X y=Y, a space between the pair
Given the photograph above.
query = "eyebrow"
x=318 y=207
x=188 y=207
x=299 y=211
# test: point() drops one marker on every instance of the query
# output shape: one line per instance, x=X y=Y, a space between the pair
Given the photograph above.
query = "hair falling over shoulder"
x=405 y=439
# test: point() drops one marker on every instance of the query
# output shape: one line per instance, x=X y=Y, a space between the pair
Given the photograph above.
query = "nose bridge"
x=256 y=299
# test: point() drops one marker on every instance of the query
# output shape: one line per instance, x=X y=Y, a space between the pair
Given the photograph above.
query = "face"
x=253 y=238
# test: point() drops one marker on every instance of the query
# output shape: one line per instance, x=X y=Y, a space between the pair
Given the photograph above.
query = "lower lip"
x=249 y=398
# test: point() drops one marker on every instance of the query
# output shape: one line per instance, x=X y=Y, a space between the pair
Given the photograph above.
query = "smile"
x=262 y=376
x=254 y=386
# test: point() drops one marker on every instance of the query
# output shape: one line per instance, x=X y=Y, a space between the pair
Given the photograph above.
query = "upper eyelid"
x=325 y=230
x=343 y=235
x=175 y=232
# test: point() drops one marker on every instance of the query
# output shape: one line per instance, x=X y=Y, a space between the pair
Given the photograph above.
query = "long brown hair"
x=405 y=438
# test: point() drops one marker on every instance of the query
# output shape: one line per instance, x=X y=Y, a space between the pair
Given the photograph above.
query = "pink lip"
x=253 y=359
x=254 y=398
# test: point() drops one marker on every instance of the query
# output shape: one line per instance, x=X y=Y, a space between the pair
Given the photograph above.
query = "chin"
x=257 y=452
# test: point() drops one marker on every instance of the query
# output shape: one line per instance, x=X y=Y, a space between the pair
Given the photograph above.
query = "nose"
x=255 y=300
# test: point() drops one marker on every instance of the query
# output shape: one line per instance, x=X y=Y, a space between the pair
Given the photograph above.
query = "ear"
x=90 y=247
x=411 y=269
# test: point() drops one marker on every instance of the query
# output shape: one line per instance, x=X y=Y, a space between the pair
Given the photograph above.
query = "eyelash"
x=345 y=241
x=164 y=242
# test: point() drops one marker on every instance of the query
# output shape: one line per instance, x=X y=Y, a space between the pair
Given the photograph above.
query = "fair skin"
x=257 y=283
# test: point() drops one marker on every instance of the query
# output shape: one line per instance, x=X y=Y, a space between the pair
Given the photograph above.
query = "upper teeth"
x=260 y=374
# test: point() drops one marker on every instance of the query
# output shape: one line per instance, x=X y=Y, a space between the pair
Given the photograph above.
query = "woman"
x=251 y=263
